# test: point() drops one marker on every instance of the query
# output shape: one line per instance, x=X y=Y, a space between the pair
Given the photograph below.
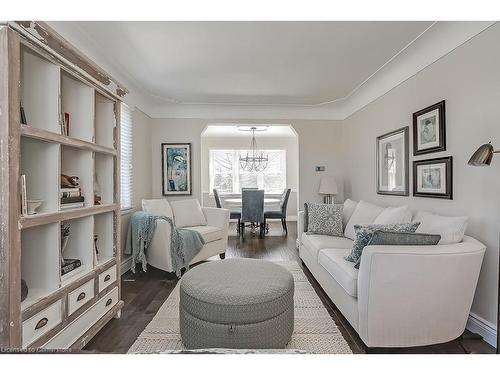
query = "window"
x=228 y=178
x=126 y=178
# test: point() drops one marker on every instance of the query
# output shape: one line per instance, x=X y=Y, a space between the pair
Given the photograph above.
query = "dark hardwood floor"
x=144 y=293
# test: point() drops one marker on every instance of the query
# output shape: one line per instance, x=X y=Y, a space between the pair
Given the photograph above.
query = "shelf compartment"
x=104 y=121
x=80 y=163
x=103 y=228
x=103 y=178
x=52 y=217
x=77 y=99
x=44 y=135
x=79 y=246
x=40 y=81
x=40 y=164
x=40 y=262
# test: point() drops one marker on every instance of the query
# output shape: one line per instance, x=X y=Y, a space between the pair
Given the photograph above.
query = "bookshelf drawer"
x=107 y=278
x=80 y=296
x=39 y=324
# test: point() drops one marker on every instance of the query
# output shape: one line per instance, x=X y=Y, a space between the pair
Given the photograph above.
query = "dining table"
x=237 y=201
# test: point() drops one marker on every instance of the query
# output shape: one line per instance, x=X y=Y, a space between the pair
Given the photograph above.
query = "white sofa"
x=401 y=296
x=211 y=223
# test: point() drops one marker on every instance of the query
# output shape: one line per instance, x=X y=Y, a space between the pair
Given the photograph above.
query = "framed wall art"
x=429 y=129
x=176 y=168
x=433 y=178
x=392 y=162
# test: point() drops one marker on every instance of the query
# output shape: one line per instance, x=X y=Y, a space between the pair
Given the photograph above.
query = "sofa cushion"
x=316 y=242
x=344 y=273
x=451 y=229
x=349 y=207
x=208 y=232
x=188 y=213
x=364 y=214
x=394 y=215
x=324 y=218
x=158 y=207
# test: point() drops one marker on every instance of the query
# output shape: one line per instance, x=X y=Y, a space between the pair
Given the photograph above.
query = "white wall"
x=141 y=165
x=469 y=80
x=320 y=143
x=289 y=144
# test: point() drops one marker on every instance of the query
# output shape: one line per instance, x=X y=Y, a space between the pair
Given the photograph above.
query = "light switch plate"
x=320 y=168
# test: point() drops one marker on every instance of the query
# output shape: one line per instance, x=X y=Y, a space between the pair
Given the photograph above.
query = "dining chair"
x=252 y=210
x=233 y=214
x=281 y=213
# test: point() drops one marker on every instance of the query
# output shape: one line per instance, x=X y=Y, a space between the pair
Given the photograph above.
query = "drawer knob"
x=42 y=323
x=108 y=302
x=81 y=296
x=107 y=277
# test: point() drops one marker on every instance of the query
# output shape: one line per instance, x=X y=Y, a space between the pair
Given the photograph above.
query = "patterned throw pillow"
x=324 y=219
x=364 y=234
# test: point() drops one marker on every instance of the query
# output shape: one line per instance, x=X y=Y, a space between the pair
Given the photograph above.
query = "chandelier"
x=254 y=161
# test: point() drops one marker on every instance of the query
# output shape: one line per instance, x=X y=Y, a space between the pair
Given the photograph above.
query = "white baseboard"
x=126 y=264
x=483 y=328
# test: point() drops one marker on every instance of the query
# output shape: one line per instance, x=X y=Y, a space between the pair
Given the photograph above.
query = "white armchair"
x=215 y=234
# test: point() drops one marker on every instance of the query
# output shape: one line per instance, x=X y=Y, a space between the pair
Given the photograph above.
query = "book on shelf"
x=65 y=124
x=68 y=206
x=69 y=265
x=96 y=250
x=24 y=201
x=23 y=116
x=75 y=199
x=70 y=192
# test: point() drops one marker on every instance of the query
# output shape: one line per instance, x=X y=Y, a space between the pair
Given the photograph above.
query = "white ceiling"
x=265 y=63
x=231 y=130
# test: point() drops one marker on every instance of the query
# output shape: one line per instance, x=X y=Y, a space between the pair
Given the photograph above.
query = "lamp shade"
x=482 y=157
x=328 y=185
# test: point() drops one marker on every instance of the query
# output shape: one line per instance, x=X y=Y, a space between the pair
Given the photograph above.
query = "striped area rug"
x=314 y=329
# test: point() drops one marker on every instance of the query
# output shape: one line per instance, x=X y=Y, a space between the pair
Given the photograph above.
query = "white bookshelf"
x=48 y=88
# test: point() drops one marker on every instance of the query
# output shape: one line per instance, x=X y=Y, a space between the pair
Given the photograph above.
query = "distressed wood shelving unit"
x=41 y=70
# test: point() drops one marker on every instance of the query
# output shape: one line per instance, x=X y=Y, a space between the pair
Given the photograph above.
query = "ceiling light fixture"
x=254 y=161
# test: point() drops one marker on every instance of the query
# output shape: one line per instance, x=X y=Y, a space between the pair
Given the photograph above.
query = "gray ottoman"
x=236 y=303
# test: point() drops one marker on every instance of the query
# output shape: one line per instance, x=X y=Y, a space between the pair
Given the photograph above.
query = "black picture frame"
x=447 y=162
x=439 y=131
x=404 y=133
x=168 y=187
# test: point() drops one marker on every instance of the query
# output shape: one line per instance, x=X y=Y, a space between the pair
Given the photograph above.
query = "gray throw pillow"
x=364 y=234
x=382 y=237
x=323 y=218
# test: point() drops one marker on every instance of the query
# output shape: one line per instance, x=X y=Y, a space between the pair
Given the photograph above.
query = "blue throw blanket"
x=185 y=244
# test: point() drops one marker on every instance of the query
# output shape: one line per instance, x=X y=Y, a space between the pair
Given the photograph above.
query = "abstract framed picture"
x=176 y=168
x=429 y=129
x=433 y=178
x=392 y=163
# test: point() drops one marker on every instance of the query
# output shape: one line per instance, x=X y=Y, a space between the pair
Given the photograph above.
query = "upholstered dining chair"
x=252 y=210
x=281 y=213
x=233 y=214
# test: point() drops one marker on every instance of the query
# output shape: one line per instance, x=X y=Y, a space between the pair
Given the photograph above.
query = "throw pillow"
x=324 y=219
x=364 y=214
x=349 y=207
x=451 y=229
x=158 y=207
x=391 y=238
x=393 y=215
x=364 y=234
x=188 y=213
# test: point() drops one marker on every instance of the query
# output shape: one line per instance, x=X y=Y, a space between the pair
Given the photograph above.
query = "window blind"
x=126 y=143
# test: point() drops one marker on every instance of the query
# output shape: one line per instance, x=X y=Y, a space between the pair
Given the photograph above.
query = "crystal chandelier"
x=254 y=161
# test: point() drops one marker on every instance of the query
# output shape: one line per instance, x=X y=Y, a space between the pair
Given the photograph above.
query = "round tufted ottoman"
x=236 y=303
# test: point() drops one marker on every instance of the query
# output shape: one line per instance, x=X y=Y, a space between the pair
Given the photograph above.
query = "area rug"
x=314 y=329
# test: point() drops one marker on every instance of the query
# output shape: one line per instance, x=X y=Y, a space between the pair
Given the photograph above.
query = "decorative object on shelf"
x=255 y=161
x=65 y=233
x=33 y=205
x=433 y=178
x=482 y=157
x=328 y=188
x=24 y=290
x=176 y=168
x=24 y=203
x=65 y=124
x=429 y=129
x=69 y=181
x=392 y=163
x=96 y=249
x=97 y=190
x=23 y=115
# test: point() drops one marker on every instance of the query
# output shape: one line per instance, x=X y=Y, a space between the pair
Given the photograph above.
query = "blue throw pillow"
x=364 y=234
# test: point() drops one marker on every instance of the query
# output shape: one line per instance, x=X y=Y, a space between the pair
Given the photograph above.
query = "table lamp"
x=328 y=187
